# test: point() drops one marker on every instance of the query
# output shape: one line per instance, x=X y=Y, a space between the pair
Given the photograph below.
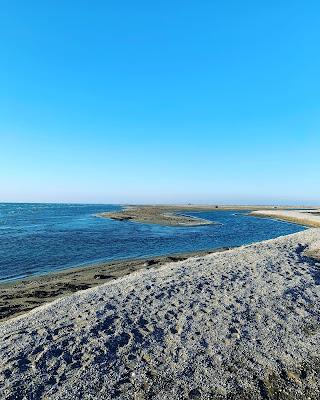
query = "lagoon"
x=36 y=239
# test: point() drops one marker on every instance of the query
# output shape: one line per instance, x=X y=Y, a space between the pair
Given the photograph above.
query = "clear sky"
x=167 y=101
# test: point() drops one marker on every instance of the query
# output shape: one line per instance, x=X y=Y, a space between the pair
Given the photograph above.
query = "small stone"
x=294 y=377
x=235 y=335
x=176 y=329
x=258 y=317
x=195 y=394
x=226 y=342
x=146 y=358
x=139 y=396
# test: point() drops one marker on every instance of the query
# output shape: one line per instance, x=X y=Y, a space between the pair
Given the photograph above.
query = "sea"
x=37 y=239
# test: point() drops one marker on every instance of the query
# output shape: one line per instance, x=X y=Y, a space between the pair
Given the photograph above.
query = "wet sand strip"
x=20 y=296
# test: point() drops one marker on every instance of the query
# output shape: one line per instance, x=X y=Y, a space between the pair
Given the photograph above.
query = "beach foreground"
x=20 y=296
x=241 y=324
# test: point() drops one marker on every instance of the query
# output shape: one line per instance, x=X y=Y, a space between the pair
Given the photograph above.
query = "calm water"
x=38 y=238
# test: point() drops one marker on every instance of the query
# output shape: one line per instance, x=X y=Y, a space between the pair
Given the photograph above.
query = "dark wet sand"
x=20 y=296
x=241 y=324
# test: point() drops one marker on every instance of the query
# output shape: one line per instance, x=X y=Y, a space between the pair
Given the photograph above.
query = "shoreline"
x=168 y=215
x=242 y=324
x=156 y=216
x=309 y=218
x=20 y=296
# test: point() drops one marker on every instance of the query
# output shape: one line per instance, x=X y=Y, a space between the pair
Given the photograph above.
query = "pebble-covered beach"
x=241 y=324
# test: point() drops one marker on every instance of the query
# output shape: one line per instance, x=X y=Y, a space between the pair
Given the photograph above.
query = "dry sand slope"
x=304 y=217
x=243 y=324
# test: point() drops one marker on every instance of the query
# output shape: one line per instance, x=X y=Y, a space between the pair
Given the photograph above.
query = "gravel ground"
x=241 y=324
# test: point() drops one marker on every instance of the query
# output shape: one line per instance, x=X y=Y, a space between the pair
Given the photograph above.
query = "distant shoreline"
x=168 y=215
x=310 y=217
x=22 y=295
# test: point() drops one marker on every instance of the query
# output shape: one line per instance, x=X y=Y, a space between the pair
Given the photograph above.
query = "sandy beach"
x=238 y=324
x=308 y=217
x=20 y=296
x=159 y=200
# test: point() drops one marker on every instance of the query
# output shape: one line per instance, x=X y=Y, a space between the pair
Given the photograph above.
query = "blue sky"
x=171 y=101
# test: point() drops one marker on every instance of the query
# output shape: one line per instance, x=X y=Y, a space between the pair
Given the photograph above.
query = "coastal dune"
x=240 y=324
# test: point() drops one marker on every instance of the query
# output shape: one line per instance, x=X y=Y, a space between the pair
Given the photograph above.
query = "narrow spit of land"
x=309 y=217
x=170 y=215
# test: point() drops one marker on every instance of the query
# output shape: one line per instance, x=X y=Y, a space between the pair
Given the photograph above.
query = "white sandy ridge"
x=242 y=324
x=304 y=217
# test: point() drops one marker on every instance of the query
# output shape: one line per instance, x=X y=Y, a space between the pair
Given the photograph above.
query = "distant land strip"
x=309 y=217
x=168 y=215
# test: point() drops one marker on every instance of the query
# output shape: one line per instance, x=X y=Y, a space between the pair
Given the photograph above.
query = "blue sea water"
x=39 y=238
